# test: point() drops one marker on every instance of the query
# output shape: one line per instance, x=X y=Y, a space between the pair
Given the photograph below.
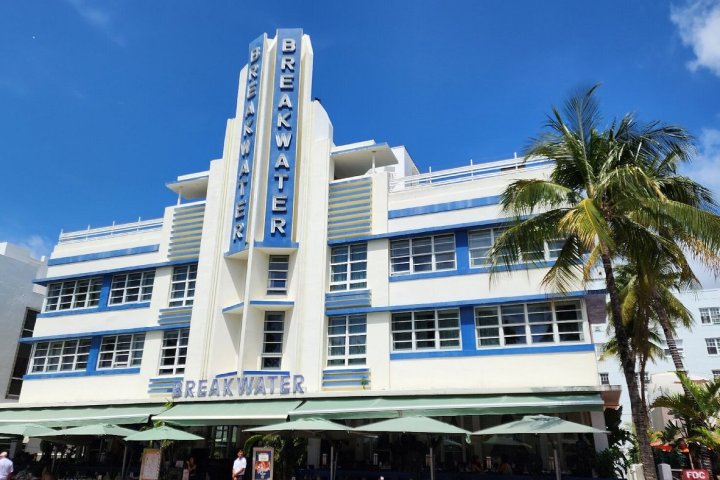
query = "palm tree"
x=606 y=198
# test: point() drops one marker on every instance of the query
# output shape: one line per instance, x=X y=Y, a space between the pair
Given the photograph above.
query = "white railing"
x=111 y=231
x=465 y=174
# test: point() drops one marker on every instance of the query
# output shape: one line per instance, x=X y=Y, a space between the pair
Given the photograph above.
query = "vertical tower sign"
x=283 y=140
x=239 y=234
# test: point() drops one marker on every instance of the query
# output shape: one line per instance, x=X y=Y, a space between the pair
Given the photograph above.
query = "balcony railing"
x=465 y=174
x=112 y=231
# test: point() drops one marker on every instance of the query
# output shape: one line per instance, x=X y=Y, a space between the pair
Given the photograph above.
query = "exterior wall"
x=17 y=295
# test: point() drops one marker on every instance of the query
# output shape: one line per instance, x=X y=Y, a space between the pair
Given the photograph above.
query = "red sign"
x=696 y=474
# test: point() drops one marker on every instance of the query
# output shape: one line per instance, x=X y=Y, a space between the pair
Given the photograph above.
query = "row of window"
x=710 y=315
x=605 y=377
x=116 y=351
x=125 y=288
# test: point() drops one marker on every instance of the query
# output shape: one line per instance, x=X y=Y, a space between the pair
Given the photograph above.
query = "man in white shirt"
x=6 y=466
x=239 y=466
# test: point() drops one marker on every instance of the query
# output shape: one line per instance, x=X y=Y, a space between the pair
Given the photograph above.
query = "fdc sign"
x=695 y=474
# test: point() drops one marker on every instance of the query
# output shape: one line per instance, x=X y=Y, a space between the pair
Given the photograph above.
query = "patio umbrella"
x=26 y=430
x=538 y=424
x=417 y=424
x=308 y=426
x=505 y=441
x=161 y=433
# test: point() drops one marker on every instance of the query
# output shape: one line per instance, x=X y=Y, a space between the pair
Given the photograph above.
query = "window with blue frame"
x=72 y=294
x=121 y=351
x=422 y=254
x=426 y=330
x=182 y=290
x=60 y=356
x=347 y=340
x=278 y=269
x=348 y=267
x=131 y=287
x=481 y=241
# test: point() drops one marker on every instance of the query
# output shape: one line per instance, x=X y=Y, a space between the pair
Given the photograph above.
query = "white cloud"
x=698 y=23
x=37 y=245
x=97 y=18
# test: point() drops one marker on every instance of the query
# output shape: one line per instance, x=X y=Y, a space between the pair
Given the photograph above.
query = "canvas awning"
x=440 y=406
x=253 y=412
x=76 y=416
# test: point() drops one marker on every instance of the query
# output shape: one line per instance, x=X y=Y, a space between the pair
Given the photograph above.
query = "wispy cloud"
x=698 y=23
x=98 y=18
x=37 y=245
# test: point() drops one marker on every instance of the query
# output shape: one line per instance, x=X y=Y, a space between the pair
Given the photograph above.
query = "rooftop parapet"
x=114 y=230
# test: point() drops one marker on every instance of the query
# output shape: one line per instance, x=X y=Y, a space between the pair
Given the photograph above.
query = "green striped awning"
x=441 y=406
x=76 y=416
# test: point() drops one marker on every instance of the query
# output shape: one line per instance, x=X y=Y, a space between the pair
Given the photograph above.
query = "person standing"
x=6 y=466
x=239 y=466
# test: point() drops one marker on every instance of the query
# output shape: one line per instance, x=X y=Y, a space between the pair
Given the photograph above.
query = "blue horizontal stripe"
x=175 y=309
x=272 y=302
x=272 y=246
x=45 y=281
x=348 y=236
x=104 y=308
x=347 y=304
x=585 y=347
x=266 y=372
x=99 y=333
x=175 y=323
x=349 y=209
x=363 y=220
x=444 y=207
x=233 y=307
x=348 y=183
x=182 y=314
x=349 y=199
x=346 y=376
x=462 y=303
x=349 y=189
x=102 y=255
x=347 y=293
x=469 y=271
x=343 y=384
x=116 y=371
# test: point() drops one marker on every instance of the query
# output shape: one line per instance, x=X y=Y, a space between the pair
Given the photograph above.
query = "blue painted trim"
x=93 y=354
x=161 y=380
x=102 y=255
x=346 y=376
x=233 y=307
x=98 y=273
x=461 y=303
x=99 y=333
x=349 y=370
x=227 y=374
x=364 y=192
x=232 y=254
x=468 y=337
x=444 y=207
x=468 y=271
x=116 y=371
x=272 y=245
x=424 y=231
x=355 y=383
x=99 y=308
x=347 y=293
x=266 y=372
x=272 y=302
x=585 y=347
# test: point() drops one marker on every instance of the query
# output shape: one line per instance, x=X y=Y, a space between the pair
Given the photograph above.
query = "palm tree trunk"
x=627 y=362
x=666 y=326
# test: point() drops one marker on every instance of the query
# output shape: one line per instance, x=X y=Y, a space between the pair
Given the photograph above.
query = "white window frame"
x=713 y=346
x=60 y=356
x=347 y=340
x=278 y=273
x=272 y=337
x=183 y=282
x=604 y=378
x=414 y=336
x=73 y=294
x=710 y=315
x=517 y=320
x=131 y=287
x=121 y=351
x=479 y=260
x=343 y=271
x=403 y=252
x=174 y=351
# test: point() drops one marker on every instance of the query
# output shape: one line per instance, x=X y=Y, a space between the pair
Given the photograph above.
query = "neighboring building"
x=20 y=302
x=700 y=348
x=297 y=277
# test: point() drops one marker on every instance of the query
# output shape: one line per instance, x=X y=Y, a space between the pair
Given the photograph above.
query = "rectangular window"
x=182 y=290
x=278 y=266
x=71 y=294
x=273 y=340
x=604 y=379
x=716 y=374
x=348 y=267
x=173 y=354
x=121 y=351
x=426 y=330
x=132 y=287
x=422 y=254
x=60 y=356
x=710 y=315
x=712 y=345
x=480 y=242
x=529 y=324
x=678 y=344
x=347 y=340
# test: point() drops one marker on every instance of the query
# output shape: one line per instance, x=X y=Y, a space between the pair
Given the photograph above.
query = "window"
x=132 y=287
x=481 y=241
x=426 y=330
x=710 y=315
x=604 y=379
x=273 y=340
x=121 y=351
x=528 y=324
x=182 y=291
x=712 y=345
x=422 y=254
x=348 y=267
x=678 y=344
x=82 y=293
x=278 y=274
x=22 y=356
x=60 y=356
x=173 y=353
x=347 y=340
x=716 y=374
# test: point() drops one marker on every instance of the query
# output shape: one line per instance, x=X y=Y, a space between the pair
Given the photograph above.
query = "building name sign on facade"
x=245 y=385
x=283 y=140
x=247 y=146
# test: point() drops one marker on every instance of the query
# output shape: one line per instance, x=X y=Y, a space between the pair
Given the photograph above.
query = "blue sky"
x=102 y=103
